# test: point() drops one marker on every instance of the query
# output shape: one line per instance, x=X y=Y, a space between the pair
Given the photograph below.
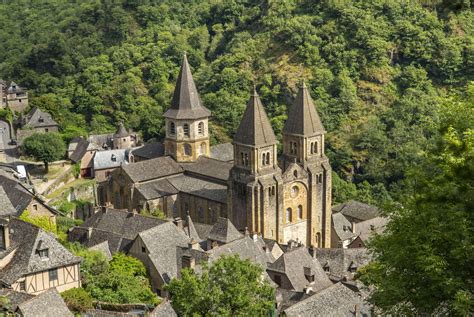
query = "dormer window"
x=309 y=274
x=40 y=119
x=352 y=268
x=326 y=267
x=43 y=254
x=113 y=158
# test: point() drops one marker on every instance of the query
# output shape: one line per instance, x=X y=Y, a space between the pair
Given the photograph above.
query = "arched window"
x=186 y=130
x=263 y=159
x=267 y=160
x=320 y=178
x=172 y=128
x=188 y=151
x=202 y=148
x=294 y=191
x=288 y=215
x=300 y=212
x=316 y=147
x=295 y=173
x=201 y=128
x=273 y=190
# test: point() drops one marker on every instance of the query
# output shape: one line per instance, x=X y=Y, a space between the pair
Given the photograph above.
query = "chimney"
x=312 y=252
x=178 y=222
x=5 y=234
x=255 y=237
x=356 y=310
x=353 y=227
x=247 y=233
x=89 y=232
x=193 y=245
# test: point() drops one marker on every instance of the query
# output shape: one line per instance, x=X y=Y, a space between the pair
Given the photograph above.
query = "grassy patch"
x=76 y=183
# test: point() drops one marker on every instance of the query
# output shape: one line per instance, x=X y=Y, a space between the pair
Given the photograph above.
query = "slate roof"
x=338 y=260
x=102 y=141
x=46 y=304
x=79 y=150
x=152 y=169
x=14 y=298
x=224 y=231
x=209 y=168
x=303 y=118
x=186 y=103
x=365 y=229
x=25 y=238
x=7 y=208
x=223 y=152
x=200 y=188
x=190 y=230
x=292 y=264
x=337 y=300
x=203 y=230
x=161 y=244
x=121 y=222
x=37 y=118
x=103 y=248
x=164 y=310
x=156 y=189
x=14 y=87
x=150 y=151
x=357 y=210
x=255 y=128
x=245 y=247
x=110 y=158
x=342 y=227
x=121 y=132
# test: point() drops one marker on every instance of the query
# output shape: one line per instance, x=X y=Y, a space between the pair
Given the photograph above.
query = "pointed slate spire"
x=303 y=118
x=186 y=103
x=255 y=128
x=191 y=230
x=121 y=131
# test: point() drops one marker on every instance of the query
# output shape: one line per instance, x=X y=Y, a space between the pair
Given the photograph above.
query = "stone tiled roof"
x=102 y=141
x=209 y=168
x=338 y=260
x=121 y=132
x=163 y=310
x=365 y=229
x=152 y=169
x=302 y=117
x=156 y=189
x=103 y=248
x=191 y=231
x=337 y=300
x=150 y=151
x=223 y=152
x=293 y=263
x=25 y=239
x=200 y=188
x=224 y=231
x=161 y=243
x=79 y=150
x=37 y=118
x=357 y=210
x=7 y=207
x=255 y=128
x=203 y=230
x=246 y=247
x=342 y=227
x=186 y=103
x=110 y=158
x=14 y=298
x=46 y=304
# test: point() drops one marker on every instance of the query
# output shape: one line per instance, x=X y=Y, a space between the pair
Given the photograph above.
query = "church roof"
x=255 y=128
x=186 y=103
x=303 y=118
x=224 y=231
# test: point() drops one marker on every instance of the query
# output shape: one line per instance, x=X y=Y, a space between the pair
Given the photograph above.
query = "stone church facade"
x=281 y=197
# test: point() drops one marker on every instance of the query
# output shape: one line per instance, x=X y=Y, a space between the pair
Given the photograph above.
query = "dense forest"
x=392 y=81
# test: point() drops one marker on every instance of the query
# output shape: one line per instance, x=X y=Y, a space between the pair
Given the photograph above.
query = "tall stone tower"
x=254 y=194
x=187 y=135
x=122 y=139
x=303 y=146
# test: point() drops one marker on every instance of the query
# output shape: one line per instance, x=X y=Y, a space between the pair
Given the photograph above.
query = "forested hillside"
x=377 y=69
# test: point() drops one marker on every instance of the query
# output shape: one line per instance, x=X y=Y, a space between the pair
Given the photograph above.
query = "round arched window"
x=294 y=191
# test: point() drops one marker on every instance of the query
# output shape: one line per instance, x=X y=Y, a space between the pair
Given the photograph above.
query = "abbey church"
x=281 y=197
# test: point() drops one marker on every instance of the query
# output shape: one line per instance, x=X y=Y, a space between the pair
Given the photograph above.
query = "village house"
x=46 y=304
x=13 y=96
x=16 y=198
x=33 y=261
x=353 y=223
x=280 y=198
x=342 y=264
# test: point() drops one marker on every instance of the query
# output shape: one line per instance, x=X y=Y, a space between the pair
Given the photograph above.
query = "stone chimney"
x=353 y=227
x=255 y=237
x=247 y=233
x=89 y=232
x=178 y=222
x=5 y=234
x=312 y=251
x=193 y=245
x=356 y=310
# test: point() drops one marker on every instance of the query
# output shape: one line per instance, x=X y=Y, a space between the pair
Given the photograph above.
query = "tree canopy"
x=44 y=147
x=229 y=287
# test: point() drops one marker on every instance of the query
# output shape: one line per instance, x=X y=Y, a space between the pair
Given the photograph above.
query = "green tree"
x=44 y=222
x=44 y=147
x=423 y=261
x=78 y=299
x=230 y=287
